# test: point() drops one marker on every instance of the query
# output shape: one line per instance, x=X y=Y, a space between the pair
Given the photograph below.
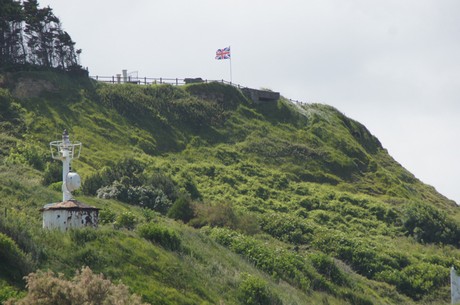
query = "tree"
x=86 y=288
x=33 y=35
x=11 y=20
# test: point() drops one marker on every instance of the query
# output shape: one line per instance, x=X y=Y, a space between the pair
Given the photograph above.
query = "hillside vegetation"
x=209 y=198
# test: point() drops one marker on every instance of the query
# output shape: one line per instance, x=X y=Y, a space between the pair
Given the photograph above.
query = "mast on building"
x=69 y=213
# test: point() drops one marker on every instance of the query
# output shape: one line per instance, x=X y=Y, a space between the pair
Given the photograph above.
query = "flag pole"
x=230 y=49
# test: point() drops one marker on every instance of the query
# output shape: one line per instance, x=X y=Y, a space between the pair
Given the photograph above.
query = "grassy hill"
x=209 y=198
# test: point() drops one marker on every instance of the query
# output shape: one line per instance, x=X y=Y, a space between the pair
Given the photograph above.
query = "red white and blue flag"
x=223 y=53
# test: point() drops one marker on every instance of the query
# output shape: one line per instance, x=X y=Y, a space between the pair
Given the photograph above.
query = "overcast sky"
x=393 y=65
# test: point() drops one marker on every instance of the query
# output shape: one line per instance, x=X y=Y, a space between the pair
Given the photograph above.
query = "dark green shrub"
x=107 y=216
x=420 y=279
x=93 y=183
x=161 y=235
x=125 y=220
x=145 y=196
x=182 y=209
x=286 y=227
x=430 y=225
x=326 y=266
x=164 y=183
x=14 y=264
x=12 y=119
x=190 y=187
x=53 y=172
x=17 y=226
x=149 y=197
x=28 y=154
x=254 y=291
x=127 y=171
x=149 y=214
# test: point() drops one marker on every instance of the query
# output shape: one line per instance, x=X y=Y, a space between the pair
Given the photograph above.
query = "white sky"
x=393 y=65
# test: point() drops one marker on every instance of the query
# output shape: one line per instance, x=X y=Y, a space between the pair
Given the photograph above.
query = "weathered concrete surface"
x=261 y=95
x=69 y=214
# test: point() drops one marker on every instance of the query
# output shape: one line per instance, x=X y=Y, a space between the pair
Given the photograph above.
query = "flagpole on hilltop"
x=225 y=53
x=230 y=49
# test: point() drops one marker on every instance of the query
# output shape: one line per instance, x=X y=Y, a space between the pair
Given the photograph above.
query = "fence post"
x=113 y=80
x=161 y=81
x=145 y=80
x=177 y=82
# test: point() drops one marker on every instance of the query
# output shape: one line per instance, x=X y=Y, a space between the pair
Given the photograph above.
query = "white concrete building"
x=69 y=214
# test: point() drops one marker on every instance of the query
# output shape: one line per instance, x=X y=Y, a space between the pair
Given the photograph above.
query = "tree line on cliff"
x=33 y=36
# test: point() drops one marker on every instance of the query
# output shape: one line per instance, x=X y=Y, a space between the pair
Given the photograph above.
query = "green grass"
x=295 y=203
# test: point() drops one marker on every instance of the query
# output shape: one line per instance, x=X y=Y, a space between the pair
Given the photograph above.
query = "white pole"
x=230 y=49
x=66 y=195
x=454 y=286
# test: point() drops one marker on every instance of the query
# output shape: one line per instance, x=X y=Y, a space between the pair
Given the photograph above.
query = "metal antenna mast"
x=66 y=151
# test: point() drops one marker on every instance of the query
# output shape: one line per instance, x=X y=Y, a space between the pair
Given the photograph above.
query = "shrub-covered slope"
x=210 y=198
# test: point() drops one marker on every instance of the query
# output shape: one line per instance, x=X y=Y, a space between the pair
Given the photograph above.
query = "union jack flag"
x=223 y=53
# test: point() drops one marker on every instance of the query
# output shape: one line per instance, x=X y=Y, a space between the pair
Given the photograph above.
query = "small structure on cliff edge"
x=260 y=96
x=454 y=286
x=69 y=213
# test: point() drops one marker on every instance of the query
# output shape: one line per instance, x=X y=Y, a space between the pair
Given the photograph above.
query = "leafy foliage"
x=34 y=36
x=160 y=235
x=428 y=224
x=182 y=209
x=14 y=263
x=302 y=199
x=85 y=288
x=254 y=291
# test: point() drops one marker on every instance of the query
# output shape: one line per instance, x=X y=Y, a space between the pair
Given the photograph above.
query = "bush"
x=163 y=236
x=129 y=171
x=254 y=291
x=8 y=292
x=326 y=266
x=85 y=288
x=28 y=154
x=291 y=267
x=420 y=279
x=92 y=184
x=430 y=225
x=164 y=183
x=145 y=196
x=286 y=227
x=14 y=264
x=220 y=215
x=116 y=190
x=53 y=173
x=107 y=216
x=188 y=184
x=149 y=197
x=182 y=209
x=126 y=220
